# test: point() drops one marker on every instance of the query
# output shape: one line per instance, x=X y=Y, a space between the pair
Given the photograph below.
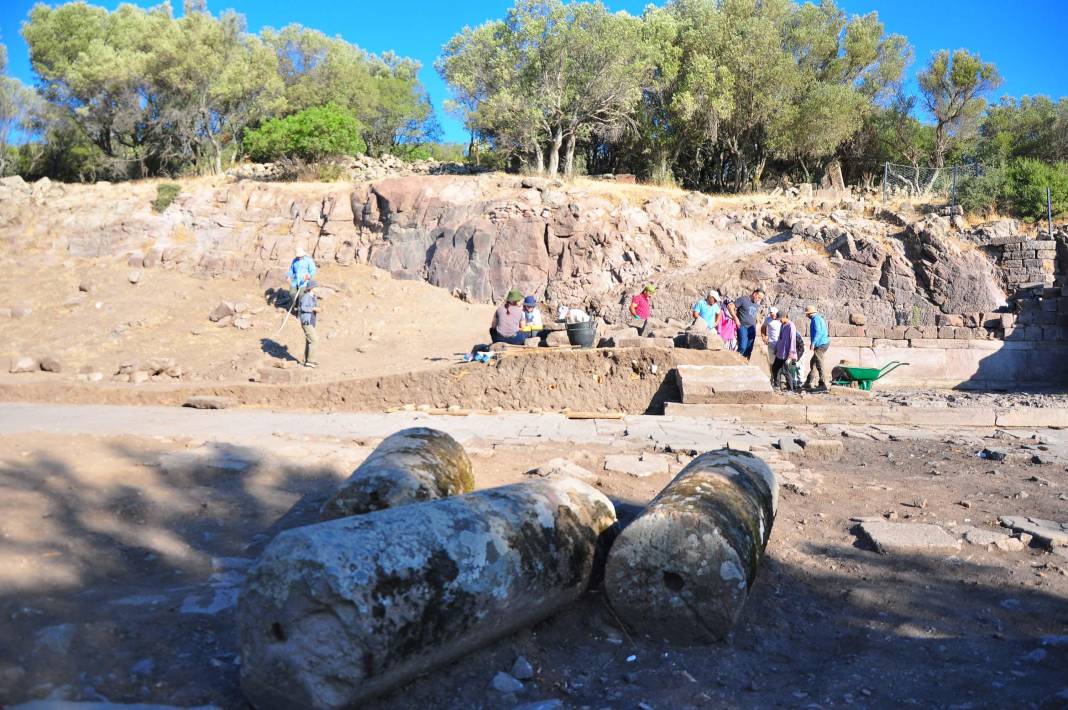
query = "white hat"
x=300 y=252
x=714 y=294
x=773 y=310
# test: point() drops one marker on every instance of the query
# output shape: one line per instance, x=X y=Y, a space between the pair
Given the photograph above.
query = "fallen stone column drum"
x=410 y=466
x=682 y=570
x=337 y=612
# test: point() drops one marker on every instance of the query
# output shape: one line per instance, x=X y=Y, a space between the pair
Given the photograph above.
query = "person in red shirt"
x=641 y=305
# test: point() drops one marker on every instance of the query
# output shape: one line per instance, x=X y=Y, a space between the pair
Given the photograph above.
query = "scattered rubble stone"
x=134 y=276
x=23 y=364
x=561 y=467
x=789 y=446
x=50 y=364
x=221 y=311
x=522 y=670
x=505 y=683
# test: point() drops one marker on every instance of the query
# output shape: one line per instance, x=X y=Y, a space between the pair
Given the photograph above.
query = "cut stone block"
x=909 y=538
x=699 y=384
x=208 y=402
x=1048 y=533
x=823 y=449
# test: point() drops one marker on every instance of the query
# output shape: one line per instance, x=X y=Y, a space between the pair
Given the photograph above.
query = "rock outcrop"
x=587 y=244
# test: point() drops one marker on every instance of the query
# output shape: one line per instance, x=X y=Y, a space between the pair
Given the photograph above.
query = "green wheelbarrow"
x=864 y=376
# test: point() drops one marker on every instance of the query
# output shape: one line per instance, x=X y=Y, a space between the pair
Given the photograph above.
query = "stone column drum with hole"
x=682 y=570
x=337 y=612
x=410 y=466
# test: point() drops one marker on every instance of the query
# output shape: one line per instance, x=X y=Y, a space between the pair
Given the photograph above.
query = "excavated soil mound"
x=631 y=380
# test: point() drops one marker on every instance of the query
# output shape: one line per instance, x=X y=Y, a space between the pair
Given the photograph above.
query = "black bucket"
x=582 y=335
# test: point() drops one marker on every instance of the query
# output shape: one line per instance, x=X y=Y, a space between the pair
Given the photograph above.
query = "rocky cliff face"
x=582 y=244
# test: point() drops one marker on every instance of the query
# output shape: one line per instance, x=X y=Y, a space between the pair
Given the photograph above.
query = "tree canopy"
x=159 y=94
x=713 y=88
x=715 y=95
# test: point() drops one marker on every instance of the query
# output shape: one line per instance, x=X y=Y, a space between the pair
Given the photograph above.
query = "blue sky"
x=1026 y=38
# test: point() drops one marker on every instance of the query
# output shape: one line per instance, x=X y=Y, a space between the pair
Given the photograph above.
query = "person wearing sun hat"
x=641 y=306
x=819 y=340
x=301 y=270
x=508 y=320
x=532 y=324
x=708 y=310
x=769 y=332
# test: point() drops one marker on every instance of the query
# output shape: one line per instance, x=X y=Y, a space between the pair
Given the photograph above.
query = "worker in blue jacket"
x=819 y=340
x=301 y=270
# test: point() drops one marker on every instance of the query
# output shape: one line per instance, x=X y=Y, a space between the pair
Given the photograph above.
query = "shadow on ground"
x=125 y=591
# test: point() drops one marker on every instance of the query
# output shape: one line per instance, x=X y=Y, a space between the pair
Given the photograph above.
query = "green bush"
x=311 y=135
x=442 y=152
x=1026 y=181
x=982 y=194
x=165 y=195
x=329 y=172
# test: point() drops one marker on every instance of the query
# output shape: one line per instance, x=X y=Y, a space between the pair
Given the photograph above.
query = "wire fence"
x=910 y=181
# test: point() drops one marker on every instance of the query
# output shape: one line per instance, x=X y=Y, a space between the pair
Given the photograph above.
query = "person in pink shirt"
x=641 y=306
x=728 y=325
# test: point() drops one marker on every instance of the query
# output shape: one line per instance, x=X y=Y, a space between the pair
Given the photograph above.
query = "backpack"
x=799 y=343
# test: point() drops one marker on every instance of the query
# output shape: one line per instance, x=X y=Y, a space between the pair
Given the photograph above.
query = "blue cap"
x=530 y=301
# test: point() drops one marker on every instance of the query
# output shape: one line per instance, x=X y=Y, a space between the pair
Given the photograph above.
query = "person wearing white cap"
x=769 y=331
x=301 y=270
x=708 y=310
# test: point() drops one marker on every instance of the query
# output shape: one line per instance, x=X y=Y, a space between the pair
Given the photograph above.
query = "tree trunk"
x=569 y=160
x=758 y=173
x=539 y=156
x=554 y=156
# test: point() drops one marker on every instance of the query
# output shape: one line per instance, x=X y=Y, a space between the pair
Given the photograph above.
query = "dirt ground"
x=371 y=325
x=121 y=557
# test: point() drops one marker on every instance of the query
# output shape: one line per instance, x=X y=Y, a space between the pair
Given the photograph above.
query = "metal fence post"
x=886 y=175
x=1049 y=211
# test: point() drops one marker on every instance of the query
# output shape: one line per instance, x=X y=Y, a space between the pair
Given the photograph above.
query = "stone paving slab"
x=909 y=538
x=637 y=466
x=1047 y=532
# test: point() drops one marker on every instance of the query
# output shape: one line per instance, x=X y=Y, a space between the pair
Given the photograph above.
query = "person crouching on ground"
x=301 y=271
x=785 y=351
x=708 y=310
x=641 y=306
x=532 y=325
x=819 y=340
x=507 y=321
x=309 y=312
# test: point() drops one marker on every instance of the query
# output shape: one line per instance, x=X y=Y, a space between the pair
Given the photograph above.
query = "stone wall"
x=1025 y=261
x=965 y=364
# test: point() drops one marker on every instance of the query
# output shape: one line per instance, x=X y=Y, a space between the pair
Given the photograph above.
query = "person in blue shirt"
x=819 y=341
x=301 y=270
x=708 y=310
x=309 y=317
